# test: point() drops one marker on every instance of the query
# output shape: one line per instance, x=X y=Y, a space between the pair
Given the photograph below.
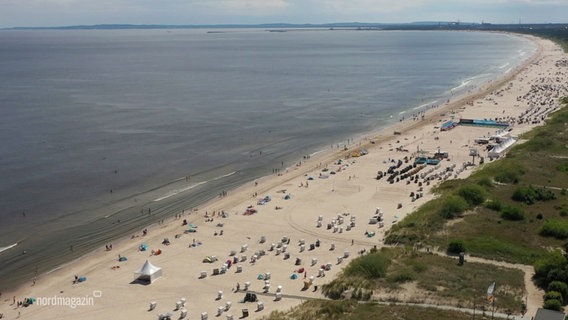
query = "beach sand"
x=351 y=193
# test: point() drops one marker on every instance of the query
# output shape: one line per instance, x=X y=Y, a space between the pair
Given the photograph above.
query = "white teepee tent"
x=148 y=272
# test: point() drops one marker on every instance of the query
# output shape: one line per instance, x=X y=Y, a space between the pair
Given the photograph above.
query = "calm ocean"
x=98 y=127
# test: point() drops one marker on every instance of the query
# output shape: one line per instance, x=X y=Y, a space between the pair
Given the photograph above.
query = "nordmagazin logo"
x=71 y=302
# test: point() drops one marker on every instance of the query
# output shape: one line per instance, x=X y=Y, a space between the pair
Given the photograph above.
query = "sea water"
x=103 y=132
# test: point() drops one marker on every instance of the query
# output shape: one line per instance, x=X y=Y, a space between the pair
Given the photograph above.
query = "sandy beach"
x=327 y=199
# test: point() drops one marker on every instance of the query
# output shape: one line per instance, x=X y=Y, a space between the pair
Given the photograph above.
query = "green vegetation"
x=560 y=287
x=452 y=207
x=555 y=228
x=456 y=247
x=530 y=194
x=512 y=213
x=526 y=193
x=370 y=266
x=436 y=278
x=351 y=310
x=473 y=194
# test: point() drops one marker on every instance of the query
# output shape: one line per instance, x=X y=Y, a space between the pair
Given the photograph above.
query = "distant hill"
x=266 y=25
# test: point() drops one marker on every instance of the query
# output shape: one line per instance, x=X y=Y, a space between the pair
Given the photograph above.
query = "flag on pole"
x=491 y=292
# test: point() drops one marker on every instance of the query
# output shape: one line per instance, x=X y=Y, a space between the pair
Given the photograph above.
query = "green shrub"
x=485 y=182
x=530 y=194
x=473 y=194
x=456 y=246
x=552 y=304
x=545 y=194
x=494 y=204
x=512 y=213
x=548 y=262
x=452 y=207
x=563 y=167
x=507 y=177
x=370 y=266
x=526 y=194
x=555 y=228
x=558 y=286
x=554 y=295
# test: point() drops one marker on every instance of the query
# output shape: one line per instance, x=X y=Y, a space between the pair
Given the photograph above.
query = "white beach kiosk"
x=148 y=273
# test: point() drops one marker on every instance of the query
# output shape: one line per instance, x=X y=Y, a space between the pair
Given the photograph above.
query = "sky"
x=44 y=13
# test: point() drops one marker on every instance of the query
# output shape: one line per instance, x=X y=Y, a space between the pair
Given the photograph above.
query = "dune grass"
x=524 y=209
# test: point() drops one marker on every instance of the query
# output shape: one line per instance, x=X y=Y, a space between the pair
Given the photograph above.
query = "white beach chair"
x=152 y=305
x=259 y=306
x=204 y=316
x=228 y=305
x=183 y=313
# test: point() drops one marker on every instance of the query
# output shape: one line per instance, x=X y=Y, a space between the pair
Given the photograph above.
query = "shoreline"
x=242 y=194
x=328 y=155
x=120 y=210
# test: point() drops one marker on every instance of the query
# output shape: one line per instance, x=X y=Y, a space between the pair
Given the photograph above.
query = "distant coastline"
x=421 y=25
